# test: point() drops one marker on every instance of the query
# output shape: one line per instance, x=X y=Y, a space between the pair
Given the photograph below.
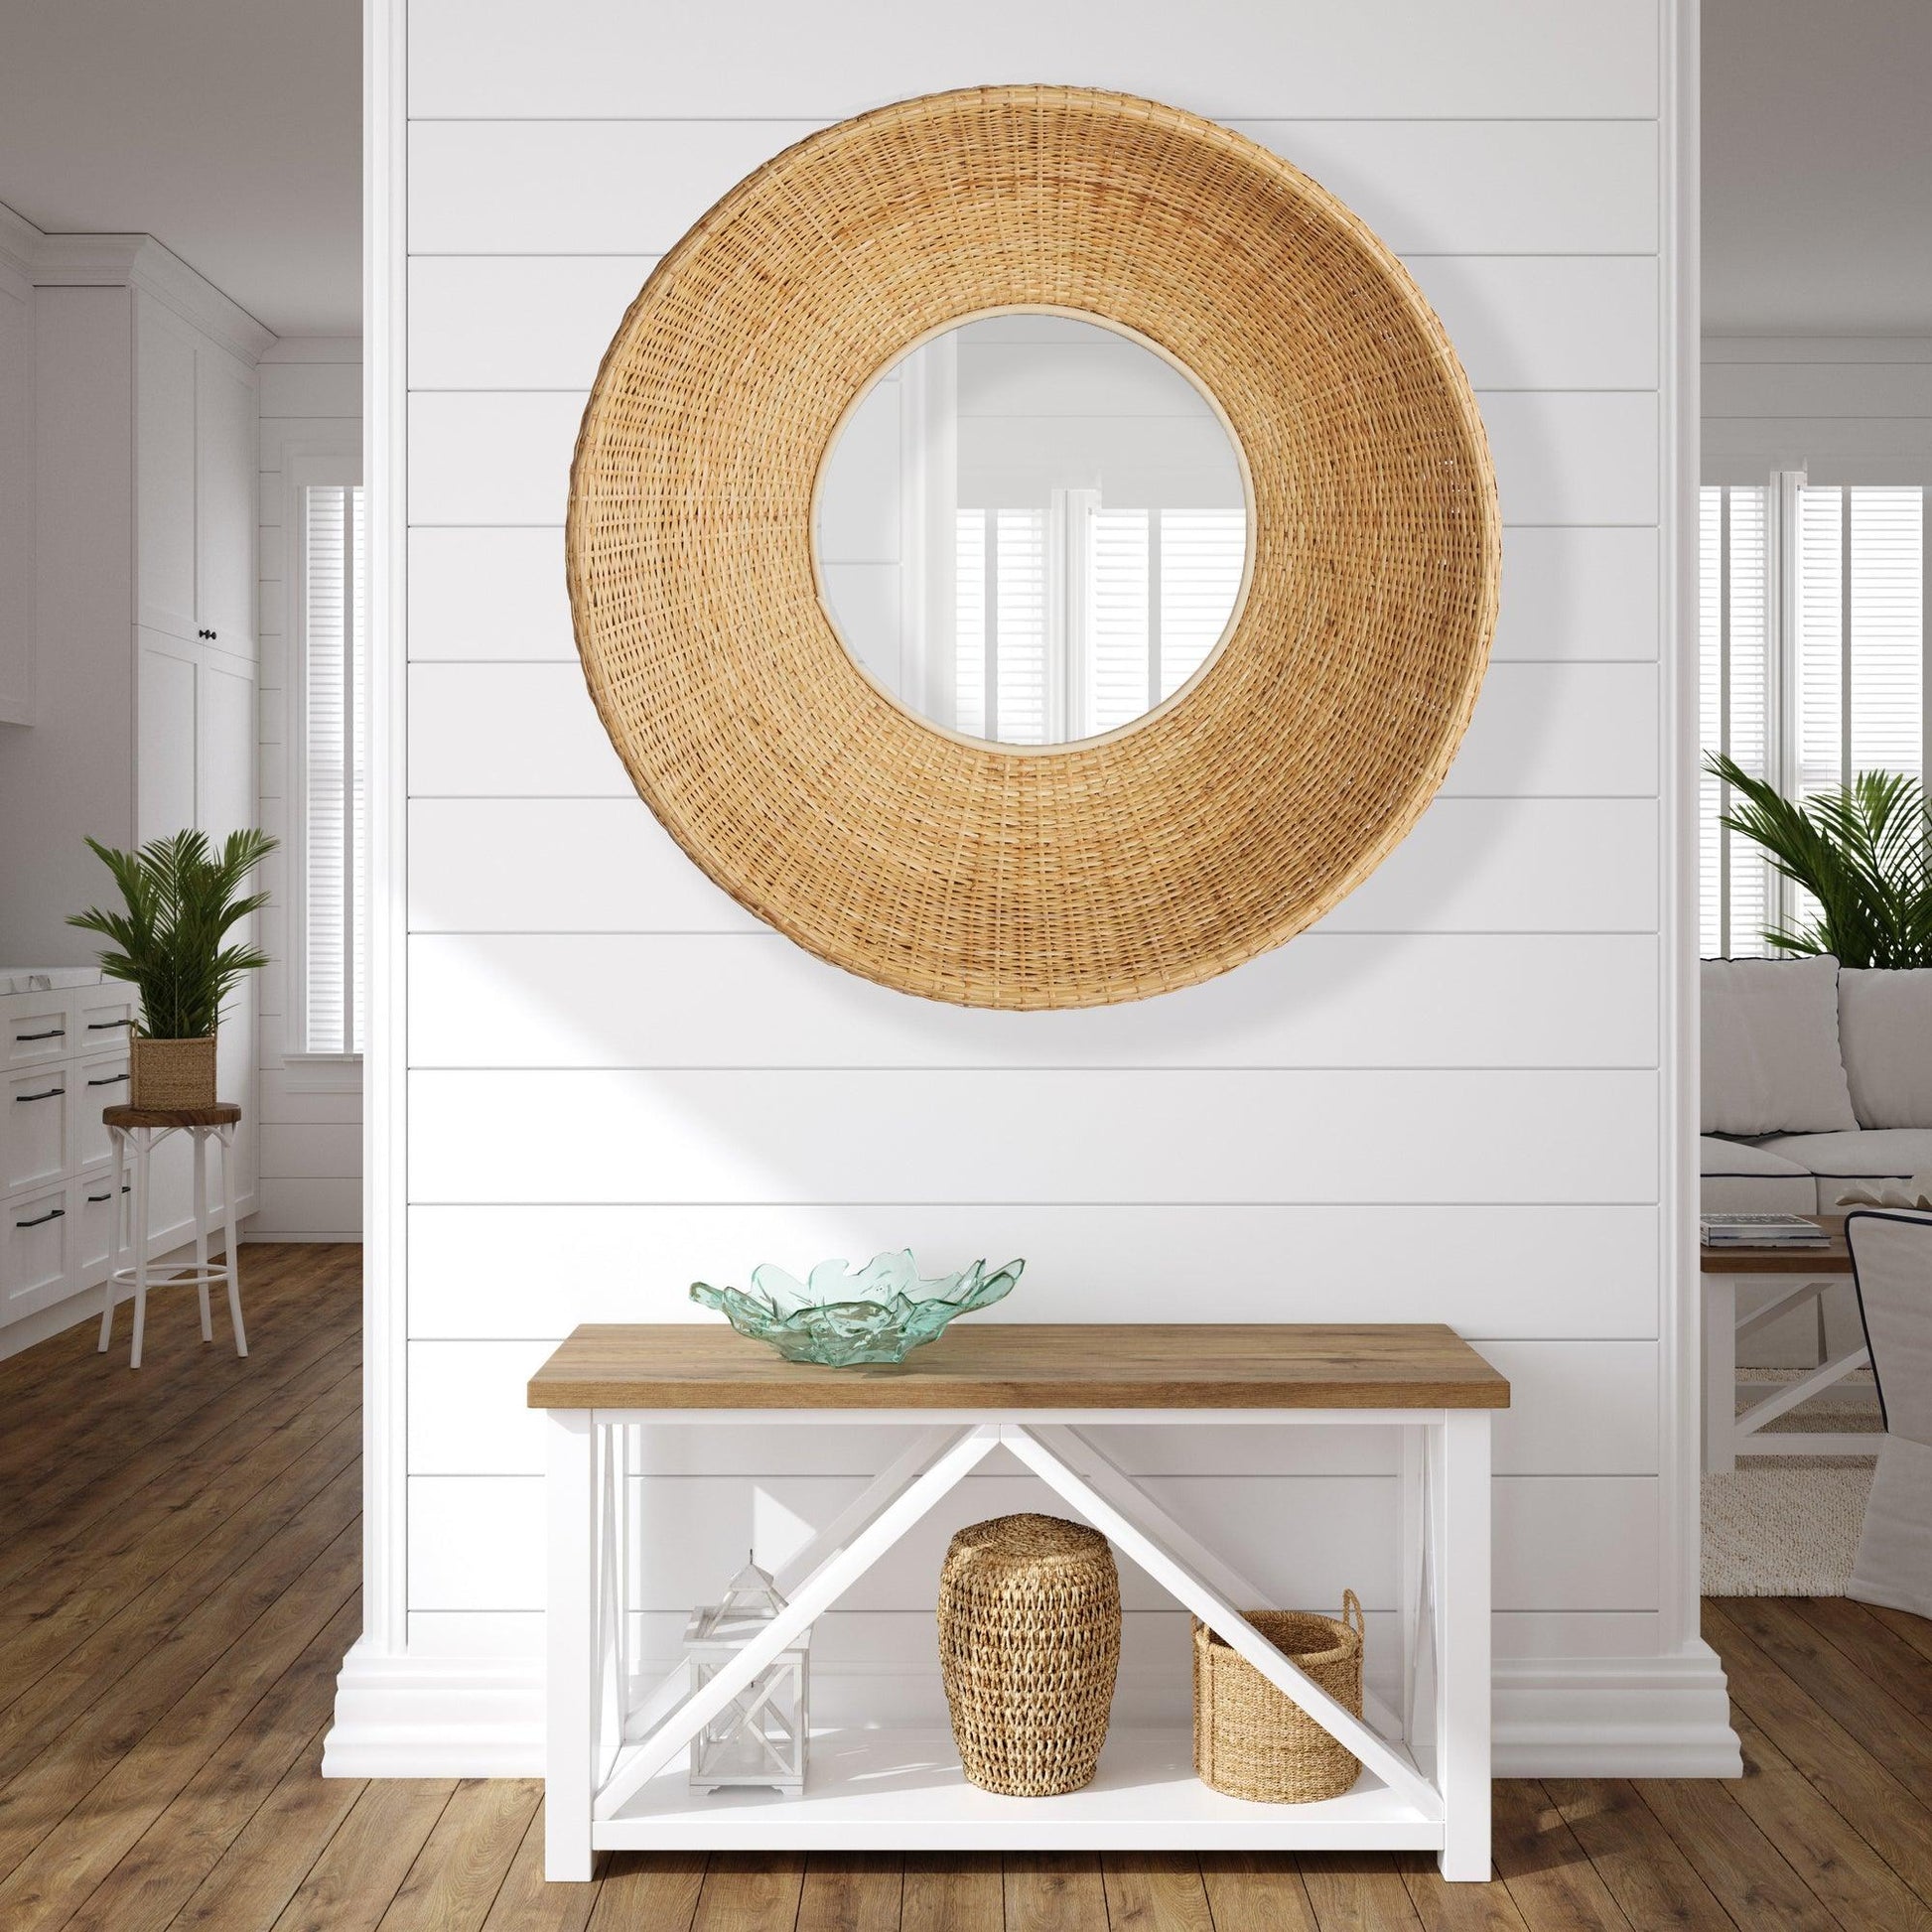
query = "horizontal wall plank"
x=1425 y=187
x=288 y=1205
x=1379 y=57
x=1088 y=1136
x=314 y=1150
x=1815 y=349
x=1562 y=1542
x=1817 y=389
x=1518 y=322
x=531 y=1274
x=312 y=389
x=286 y=1098
x=1577 y=1408
x=511 y=730
x=1472 y=865
x=494 y=595
x=1792 y=440
x=503 y=457
x=752 y=1000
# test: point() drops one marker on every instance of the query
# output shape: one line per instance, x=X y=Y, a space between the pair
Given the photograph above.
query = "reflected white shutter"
x=1117 y=618
x=1201 y=554
x=334 y=748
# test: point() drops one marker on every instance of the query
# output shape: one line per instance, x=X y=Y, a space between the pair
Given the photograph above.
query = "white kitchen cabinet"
x=141 y=465
x=56 y=1193
x=15 y=500
x=194 y=496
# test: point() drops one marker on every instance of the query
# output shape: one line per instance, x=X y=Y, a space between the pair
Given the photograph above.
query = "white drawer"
x=33 y=1249
x=92 y=1085
x=40 y=1026
x=34 y=1127
x=92 y=1209
x=102 y=1016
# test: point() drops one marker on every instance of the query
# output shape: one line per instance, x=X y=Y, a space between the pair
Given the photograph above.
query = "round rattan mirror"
x=1158 y=855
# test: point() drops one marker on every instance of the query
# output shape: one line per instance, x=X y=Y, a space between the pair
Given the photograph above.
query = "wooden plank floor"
x=178 y=1559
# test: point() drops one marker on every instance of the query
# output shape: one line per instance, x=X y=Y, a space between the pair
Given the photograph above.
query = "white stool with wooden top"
x=136 y=1133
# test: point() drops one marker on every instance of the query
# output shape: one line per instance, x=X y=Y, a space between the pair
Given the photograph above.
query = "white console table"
x=616 y=1750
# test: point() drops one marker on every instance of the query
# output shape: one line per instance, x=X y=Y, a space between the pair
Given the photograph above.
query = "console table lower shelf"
x=616 y=1773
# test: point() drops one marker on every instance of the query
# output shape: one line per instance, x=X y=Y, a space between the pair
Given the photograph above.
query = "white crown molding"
x=402 y=1716
x=134 y=261
x=314 y=349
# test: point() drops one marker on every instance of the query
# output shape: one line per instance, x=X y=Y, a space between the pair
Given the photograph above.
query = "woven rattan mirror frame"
x=1113 y=869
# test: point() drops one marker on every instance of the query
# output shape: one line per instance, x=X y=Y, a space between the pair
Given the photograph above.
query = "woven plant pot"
x=171 y=1072
x=1029 y=1646
x=1251 y=1742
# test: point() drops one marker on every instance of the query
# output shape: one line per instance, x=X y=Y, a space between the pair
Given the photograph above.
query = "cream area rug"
x=1788 y=1525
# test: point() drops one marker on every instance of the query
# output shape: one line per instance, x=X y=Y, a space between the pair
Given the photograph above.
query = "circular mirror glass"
x=1032 y=529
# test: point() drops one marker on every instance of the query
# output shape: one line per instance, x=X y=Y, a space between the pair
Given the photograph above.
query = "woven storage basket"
x=1029 y=1646
x=171 y=1072
x=1251 y=1742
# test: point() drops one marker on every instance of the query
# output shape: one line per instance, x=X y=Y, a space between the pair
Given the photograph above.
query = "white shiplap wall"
x=1850 y=408
x=310 y=1114
x=1446 y=1103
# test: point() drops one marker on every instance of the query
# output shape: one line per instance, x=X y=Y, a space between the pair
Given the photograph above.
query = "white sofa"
x=1815 y=1080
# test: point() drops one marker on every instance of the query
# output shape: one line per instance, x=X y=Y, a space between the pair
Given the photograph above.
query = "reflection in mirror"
x=1032 y=529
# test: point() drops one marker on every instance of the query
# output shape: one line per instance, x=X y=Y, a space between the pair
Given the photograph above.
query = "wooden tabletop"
x=1834 y=1260
x=1033 y=1365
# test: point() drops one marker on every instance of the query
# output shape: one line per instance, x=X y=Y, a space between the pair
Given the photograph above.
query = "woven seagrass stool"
x=1029 y=1646
x=144 y=1129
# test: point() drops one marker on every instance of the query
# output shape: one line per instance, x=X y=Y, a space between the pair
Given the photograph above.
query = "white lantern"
x=759 y=1737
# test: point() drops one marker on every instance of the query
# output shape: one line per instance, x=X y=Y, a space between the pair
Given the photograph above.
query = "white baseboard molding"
x=170 y=1245
x=481 y=1717
x=286 y=1235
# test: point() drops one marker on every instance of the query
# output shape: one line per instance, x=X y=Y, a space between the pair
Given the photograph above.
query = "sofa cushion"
x=1884 y=1154
x=1884 y=1025
x=1770 y=1058
x=1738 y=1178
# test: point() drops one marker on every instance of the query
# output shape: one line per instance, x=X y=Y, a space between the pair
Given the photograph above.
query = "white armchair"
x=1891 y=1261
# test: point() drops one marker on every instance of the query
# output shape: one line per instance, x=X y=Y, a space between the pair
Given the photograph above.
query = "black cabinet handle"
x=46 y=1093
x=51 y=1214
x=56 y=1033
x=106 y=1025
x=109 y=1196
x=108 y=1080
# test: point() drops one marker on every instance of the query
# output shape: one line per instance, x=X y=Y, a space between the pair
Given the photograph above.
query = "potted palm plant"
x=183 y=899
x=1864 y=853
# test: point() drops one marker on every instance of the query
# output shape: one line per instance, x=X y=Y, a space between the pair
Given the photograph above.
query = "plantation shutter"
x=1843 y=692
x=335 y=747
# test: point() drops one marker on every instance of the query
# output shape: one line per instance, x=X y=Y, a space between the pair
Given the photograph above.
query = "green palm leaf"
x=1863 y=851
x=182 y=898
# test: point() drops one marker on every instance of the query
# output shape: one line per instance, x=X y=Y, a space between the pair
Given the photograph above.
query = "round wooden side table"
x=136 y=1133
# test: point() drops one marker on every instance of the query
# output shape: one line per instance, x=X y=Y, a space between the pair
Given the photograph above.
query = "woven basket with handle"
x=1250 y=1741
x=1029 y=1646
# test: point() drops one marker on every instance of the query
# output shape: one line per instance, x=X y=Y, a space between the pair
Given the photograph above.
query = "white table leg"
x=1460 y=1564
x=1409 y=1532
x=143 y=1151
x=116 y=1246
x=231 y=1255
x=199 y=1136
x=1719 y=1374
x=569 y=1640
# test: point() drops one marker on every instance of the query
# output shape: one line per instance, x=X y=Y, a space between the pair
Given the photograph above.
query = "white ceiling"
x=231 y=130
x=1818 y=167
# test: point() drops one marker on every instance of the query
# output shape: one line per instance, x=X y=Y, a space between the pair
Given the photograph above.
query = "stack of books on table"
x=1762 y=1231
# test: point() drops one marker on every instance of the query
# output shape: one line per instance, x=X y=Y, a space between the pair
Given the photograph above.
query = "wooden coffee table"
x=1810 y=1271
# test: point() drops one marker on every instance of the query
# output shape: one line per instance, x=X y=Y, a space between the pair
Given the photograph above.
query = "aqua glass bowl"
x=841 y=1317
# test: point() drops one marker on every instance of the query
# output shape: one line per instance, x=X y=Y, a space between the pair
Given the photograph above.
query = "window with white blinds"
x=1812 y=647
x=333 y=757
x=1096 y=615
